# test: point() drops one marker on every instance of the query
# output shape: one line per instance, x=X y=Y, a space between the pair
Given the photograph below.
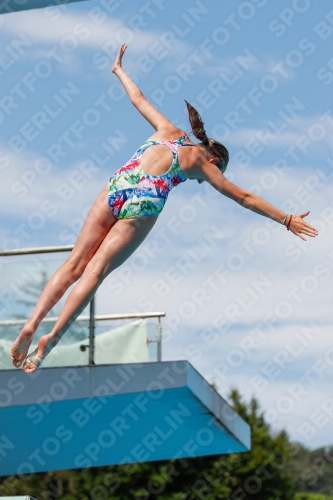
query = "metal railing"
x=33 y=250
x=92 y=318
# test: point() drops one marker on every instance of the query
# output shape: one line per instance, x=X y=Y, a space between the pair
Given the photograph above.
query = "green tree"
x=313 y=469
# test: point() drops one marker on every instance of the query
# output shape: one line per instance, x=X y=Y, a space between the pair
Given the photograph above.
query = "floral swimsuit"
x=133 y=193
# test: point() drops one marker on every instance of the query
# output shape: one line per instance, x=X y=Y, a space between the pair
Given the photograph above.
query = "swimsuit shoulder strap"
x=173 y=145
x=182 y=139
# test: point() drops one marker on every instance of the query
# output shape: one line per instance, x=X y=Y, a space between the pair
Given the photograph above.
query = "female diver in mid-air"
x=127 y=209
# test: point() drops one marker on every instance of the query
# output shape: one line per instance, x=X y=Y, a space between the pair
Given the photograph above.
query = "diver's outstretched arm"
x=148 y=111
x=211 y=173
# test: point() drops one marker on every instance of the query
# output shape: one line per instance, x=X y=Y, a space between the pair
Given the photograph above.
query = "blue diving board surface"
x=7 y=6
x=66 y=418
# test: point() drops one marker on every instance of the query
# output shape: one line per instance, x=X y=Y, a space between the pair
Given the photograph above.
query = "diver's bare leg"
x=95 y=228
x=122 y=240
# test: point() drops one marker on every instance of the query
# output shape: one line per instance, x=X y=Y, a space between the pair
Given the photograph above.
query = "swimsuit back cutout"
x=134 y=193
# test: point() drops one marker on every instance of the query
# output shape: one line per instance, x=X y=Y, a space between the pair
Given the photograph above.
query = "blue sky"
x=247 y=302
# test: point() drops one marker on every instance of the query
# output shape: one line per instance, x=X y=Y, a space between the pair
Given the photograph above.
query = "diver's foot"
x=22 y=343
x=34 y=360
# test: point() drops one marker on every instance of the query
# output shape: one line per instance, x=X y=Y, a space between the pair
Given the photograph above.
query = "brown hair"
x=214 y=147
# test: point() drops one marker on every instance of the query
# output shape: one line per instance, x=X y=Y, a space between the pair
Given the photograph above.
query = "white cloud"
x=24 y=189
x=293 y=131
x=72 y=30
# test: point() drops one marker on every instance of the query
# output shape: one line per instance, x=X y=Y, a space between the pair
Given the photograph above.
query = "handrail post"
x=159 y=339
x=92 y=331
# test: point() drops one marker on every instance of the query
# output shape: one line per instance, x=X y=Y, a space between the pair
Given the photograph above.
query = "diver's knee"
x=76 y=267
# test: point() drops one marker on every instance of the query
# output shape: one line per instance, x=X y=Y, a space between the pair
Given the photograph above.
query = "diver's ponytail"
x=197 y=124
x=216 y=148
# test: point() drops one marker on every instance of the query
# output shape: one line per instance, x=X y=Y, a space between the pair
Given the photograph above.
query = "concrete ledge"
x=63 y=418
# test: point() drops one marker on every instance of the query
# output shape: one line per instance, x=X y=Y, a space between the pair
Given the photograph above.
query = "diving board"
x=65 y=418
x=7 y=6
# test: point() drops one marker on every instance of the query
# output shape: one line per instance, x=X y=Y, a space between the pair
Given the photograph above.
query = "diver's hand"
x=117 y=62
x=299 y=227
